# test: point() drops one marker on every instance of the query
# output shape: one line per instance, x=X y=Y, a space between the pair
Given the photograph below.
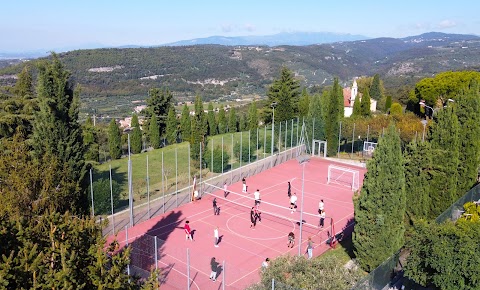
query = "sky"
x=29 y=25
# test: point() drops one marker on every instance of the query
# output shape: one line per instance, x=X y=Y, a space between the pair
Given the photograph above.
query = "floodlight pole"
x=302 y=160
x=130 y=193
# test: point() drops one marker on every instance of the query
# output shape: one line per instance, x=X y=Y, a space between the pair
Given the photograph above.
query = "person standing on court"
x=253 y=218
x=293 y=202
x=216 y=210
x=310 y=248
x=256 y=196
x=216 y=236
x=291 y=240
x=265 y=263
x=244 y=185
x=322 y=218
x=257 y=214
x=289 y=190
x=321 y=206
x=225 y=189
x=188 y=231
x=213 y=267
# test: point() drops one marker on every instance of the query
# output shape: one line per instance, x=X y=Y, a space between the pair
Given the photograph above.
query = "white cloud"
x=446 y=24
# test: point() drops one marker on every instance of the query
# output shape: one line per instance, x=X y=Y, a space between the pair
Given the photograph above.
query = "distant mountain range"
x=229 y=72
x=296 y=38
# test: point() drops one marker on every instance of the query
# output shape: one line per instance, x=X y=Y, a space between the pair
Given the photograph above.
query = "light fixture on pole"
x=273 y=105
x=302 y=160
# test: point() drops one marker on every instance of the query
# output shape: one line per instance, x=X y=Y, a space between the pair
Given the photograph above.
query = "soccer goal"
x=319 y=144
x=344 y=176
x=368 y=148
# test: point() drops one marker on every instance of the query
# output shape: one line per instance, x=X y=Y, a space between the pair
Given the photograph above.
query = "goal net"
x=343 y=176
x=369 y=147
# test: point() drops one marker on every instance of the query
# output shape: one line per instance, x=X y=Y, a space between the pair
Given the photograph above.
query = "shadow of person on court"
x=192 y=232
x=220 y=239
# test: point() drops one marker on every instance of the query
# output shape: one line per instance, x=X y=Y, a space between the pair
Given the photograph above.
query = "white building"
x=349 y=95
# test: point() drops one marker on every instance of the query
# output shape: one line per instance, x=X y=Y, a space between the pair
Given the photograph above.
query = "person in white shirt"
x=321 y=206
x=256 y=196
x=265 y=263
x=293 y=202
x=216 y=236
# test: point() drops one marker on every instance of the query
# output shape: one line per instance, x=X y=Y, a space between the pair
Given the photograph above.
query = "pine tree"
x=242 y=123
x=380 y=207
x=232 y=121
x=136 y=136
x=444 y=137
x=468 y=113
x=24 y=86
x=315 y=119
x=376 y=88
x=357 y=107
x=332 y=125
x=159 y=103
x=56 y=130
x=114 y=140
x=154 y=132
x=172 y=126
x=365 y=104
x=199 y=132
x=222 y=121
x=212 y=123
x=418 y=163
x=285 y=91
x=186 y=124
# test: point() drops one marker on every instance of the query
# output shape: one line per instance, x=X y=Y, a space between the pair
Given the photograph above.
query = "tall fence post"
x=156 y=253
x=212 y=156
x=126 y=244
x=91 y=193
x=189 y=173
x=222 y=154
x=339 y=135
x=249 y=145
x=111 y=199
x=148 y=192
x=176 y=177
x=223 y=275
x=353 y=137
x=291 y=141
x=273 y=283
x=188 y=269
x=256 y=148
x=163 y=187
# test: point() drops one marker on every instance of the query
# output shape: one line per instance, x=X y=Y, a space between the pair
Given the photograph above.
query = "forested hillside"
x=215 y=71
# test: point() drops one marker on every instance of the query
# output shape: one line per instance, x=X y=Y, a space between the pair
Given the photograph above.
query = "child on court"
x=244 y=185
x=225 y=189
x=257 y=214
x=310 y=248
x=188 y=232
x=216 y=236
x=322 y=218
x=253 y=218
x=256 y=196
x=293 y=202
x=291 y=240
x=289 y=190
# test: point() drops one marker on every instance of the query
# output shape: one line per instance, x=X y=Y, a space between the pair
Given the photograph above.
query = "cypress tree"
x=232 y=121
x=242 y=123
x=199 y=132
x=332 y=125
x=212 y=123
x=24 y=85
x=172 y=126
x=418 y=163
x=468 y=113
x=380 y=207
x=186 y=124
x=114 y=140
x=159 y=103
x=304 y=103
x=444 y=137
x=154 y=132
x=376 y=88
x=136 y=136
x=316 y=119
x=90 y=140
x=357 y=107
x=365 y=104
x=252 y=121
x=222 y=121
x=56 y=130
x=388 y=103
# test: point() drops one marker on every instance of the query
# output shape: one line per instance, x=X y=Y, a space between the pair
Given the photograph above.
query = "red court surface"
x=242 y=249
